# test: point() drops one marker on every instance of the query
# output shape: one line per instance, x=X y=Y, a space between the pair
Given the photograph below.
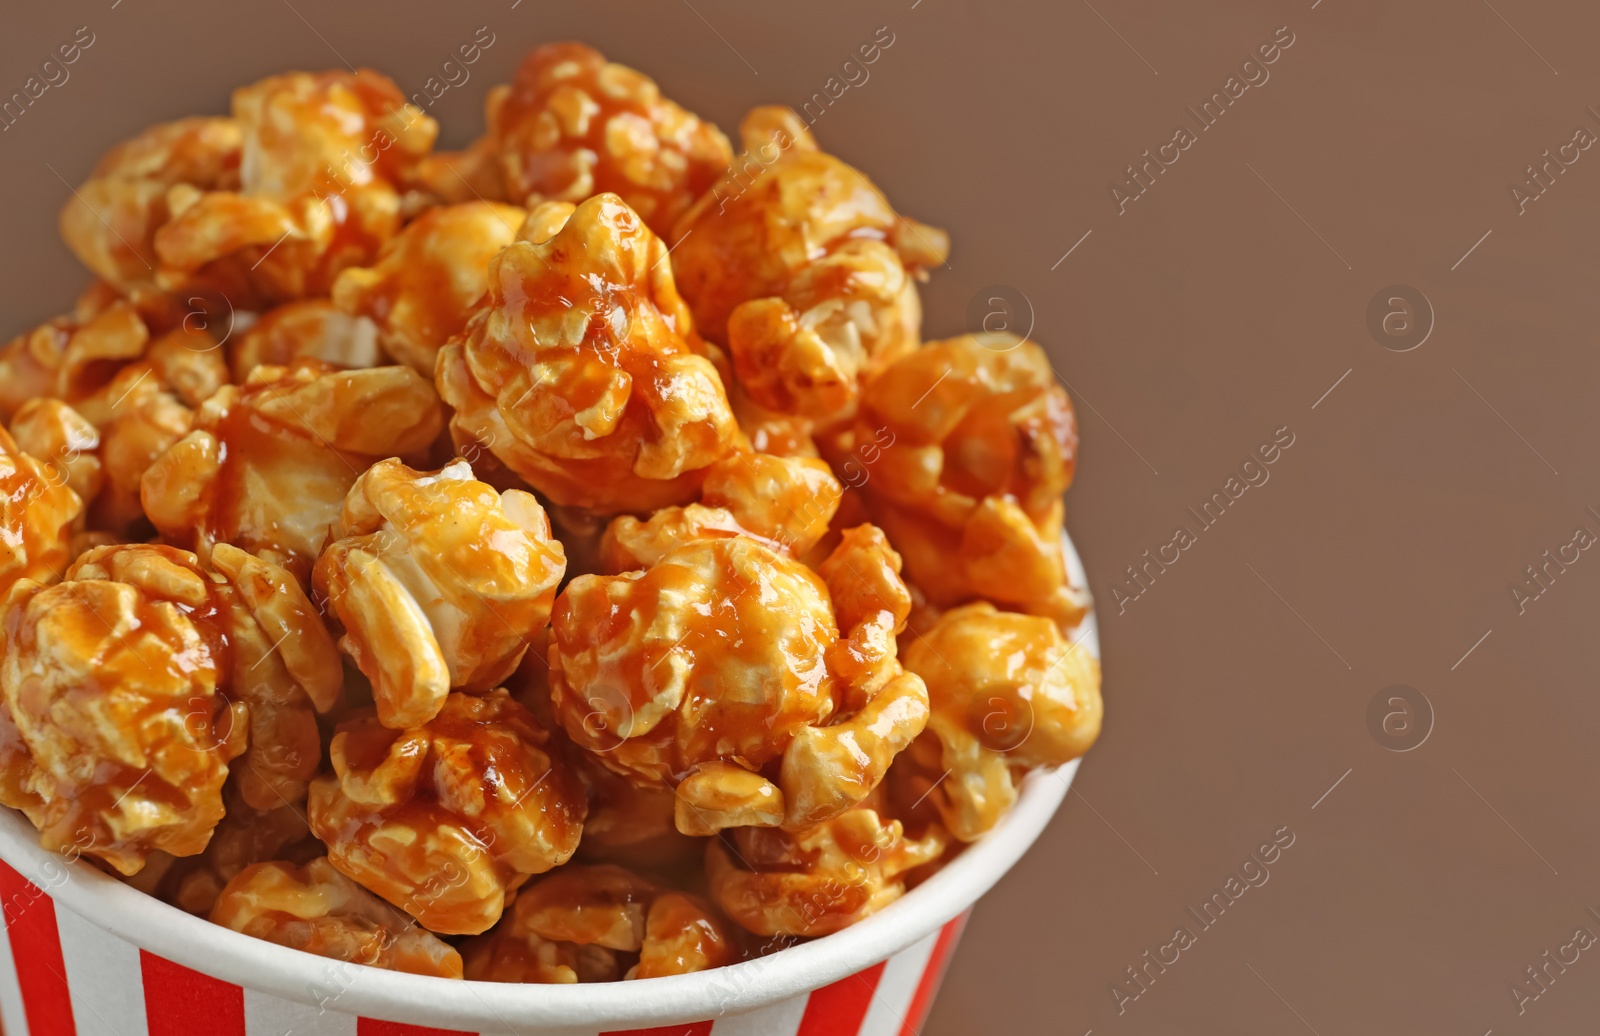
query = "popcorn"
x=819 y=878
x=66 y=358
x=579 y=369
x=245 y=836
x=130 y=394
x=439 y=582
x=261 y=208
x=136 y=680
x=64 y=439
x=787 y=502
x=725 y=656
x=316 y=909
x=736 y=727
x=982 y=443
x=269 y=462
x=447 y=819
x=797 y=262
x=112 y=219
x=1008 y=692
x=306 y=329
x=578 y=923
x=38 y=513
x=572 y=125
x=427 y=279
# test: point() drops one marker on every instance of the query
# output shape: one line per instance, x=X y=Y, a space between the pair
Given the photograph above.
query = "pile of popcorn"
x=408 y=557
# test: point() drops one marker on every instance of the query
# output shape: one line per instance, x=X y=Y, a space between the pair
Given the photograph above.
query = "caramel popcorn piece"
x=132 y=684
x=113 y=689
x=279 y=666
x=269 y=462
x=245 y=836
x=324 y=156
x=130 y=394
x=726 y=655
x=818 y=879
x=70 y=358
x=1008 y=692
x=111 y=221
x=447 y=819
x=426 y=280
x=578 y=369
x=439 y=582
x=978 y=443
x=573 y=125
x=316 y=909
x=39 y=512
x=303 y=181
x=785 y=501
x=75 y=358
x=145 y=422
x=798 y=264
x=306 y=329
x=604 y=907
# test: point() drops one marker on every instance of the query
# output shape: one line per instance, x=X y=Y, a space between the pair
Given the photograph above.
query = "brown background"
x=1189 y=328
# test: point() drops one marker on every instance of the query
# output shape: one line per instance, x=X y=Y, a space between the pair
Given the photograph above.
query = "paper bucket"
x=85 y=954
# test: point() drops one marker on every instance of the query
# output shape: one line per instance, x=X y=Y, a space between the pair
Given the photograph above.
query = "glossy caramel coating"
x=818 y=879
x=447 y=819
x=573 y=125
x=269 y=462
x=1008 y=692
x=798 y=264
x=39 y=512
x=439 y=582
x=323 y=155
x=305 y=329
x=672 y=933
x=579 y=370
x=316 y=909
x=133 y=682
x=981 y=444
x=728 y=651
x=428 y=278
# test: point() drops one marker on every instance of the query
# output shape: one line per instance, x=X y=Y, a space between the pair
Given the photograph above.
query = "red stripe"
x=839 y=1009
x=932 y=976
x=375 y=1027
x=36 y=951
x=696 y=1029
x=181 y=1002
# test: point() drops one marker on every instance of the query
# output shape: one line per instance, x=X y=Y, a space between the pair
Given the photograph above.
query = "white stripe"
x=104 y=976
x=781 y=1019
x=266 y=1015
x=11 y=1012
x=887 y=1015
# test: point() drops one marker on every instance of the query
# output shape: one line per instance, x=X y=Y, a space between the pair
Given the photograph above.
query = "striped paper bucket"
x=85 y=954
